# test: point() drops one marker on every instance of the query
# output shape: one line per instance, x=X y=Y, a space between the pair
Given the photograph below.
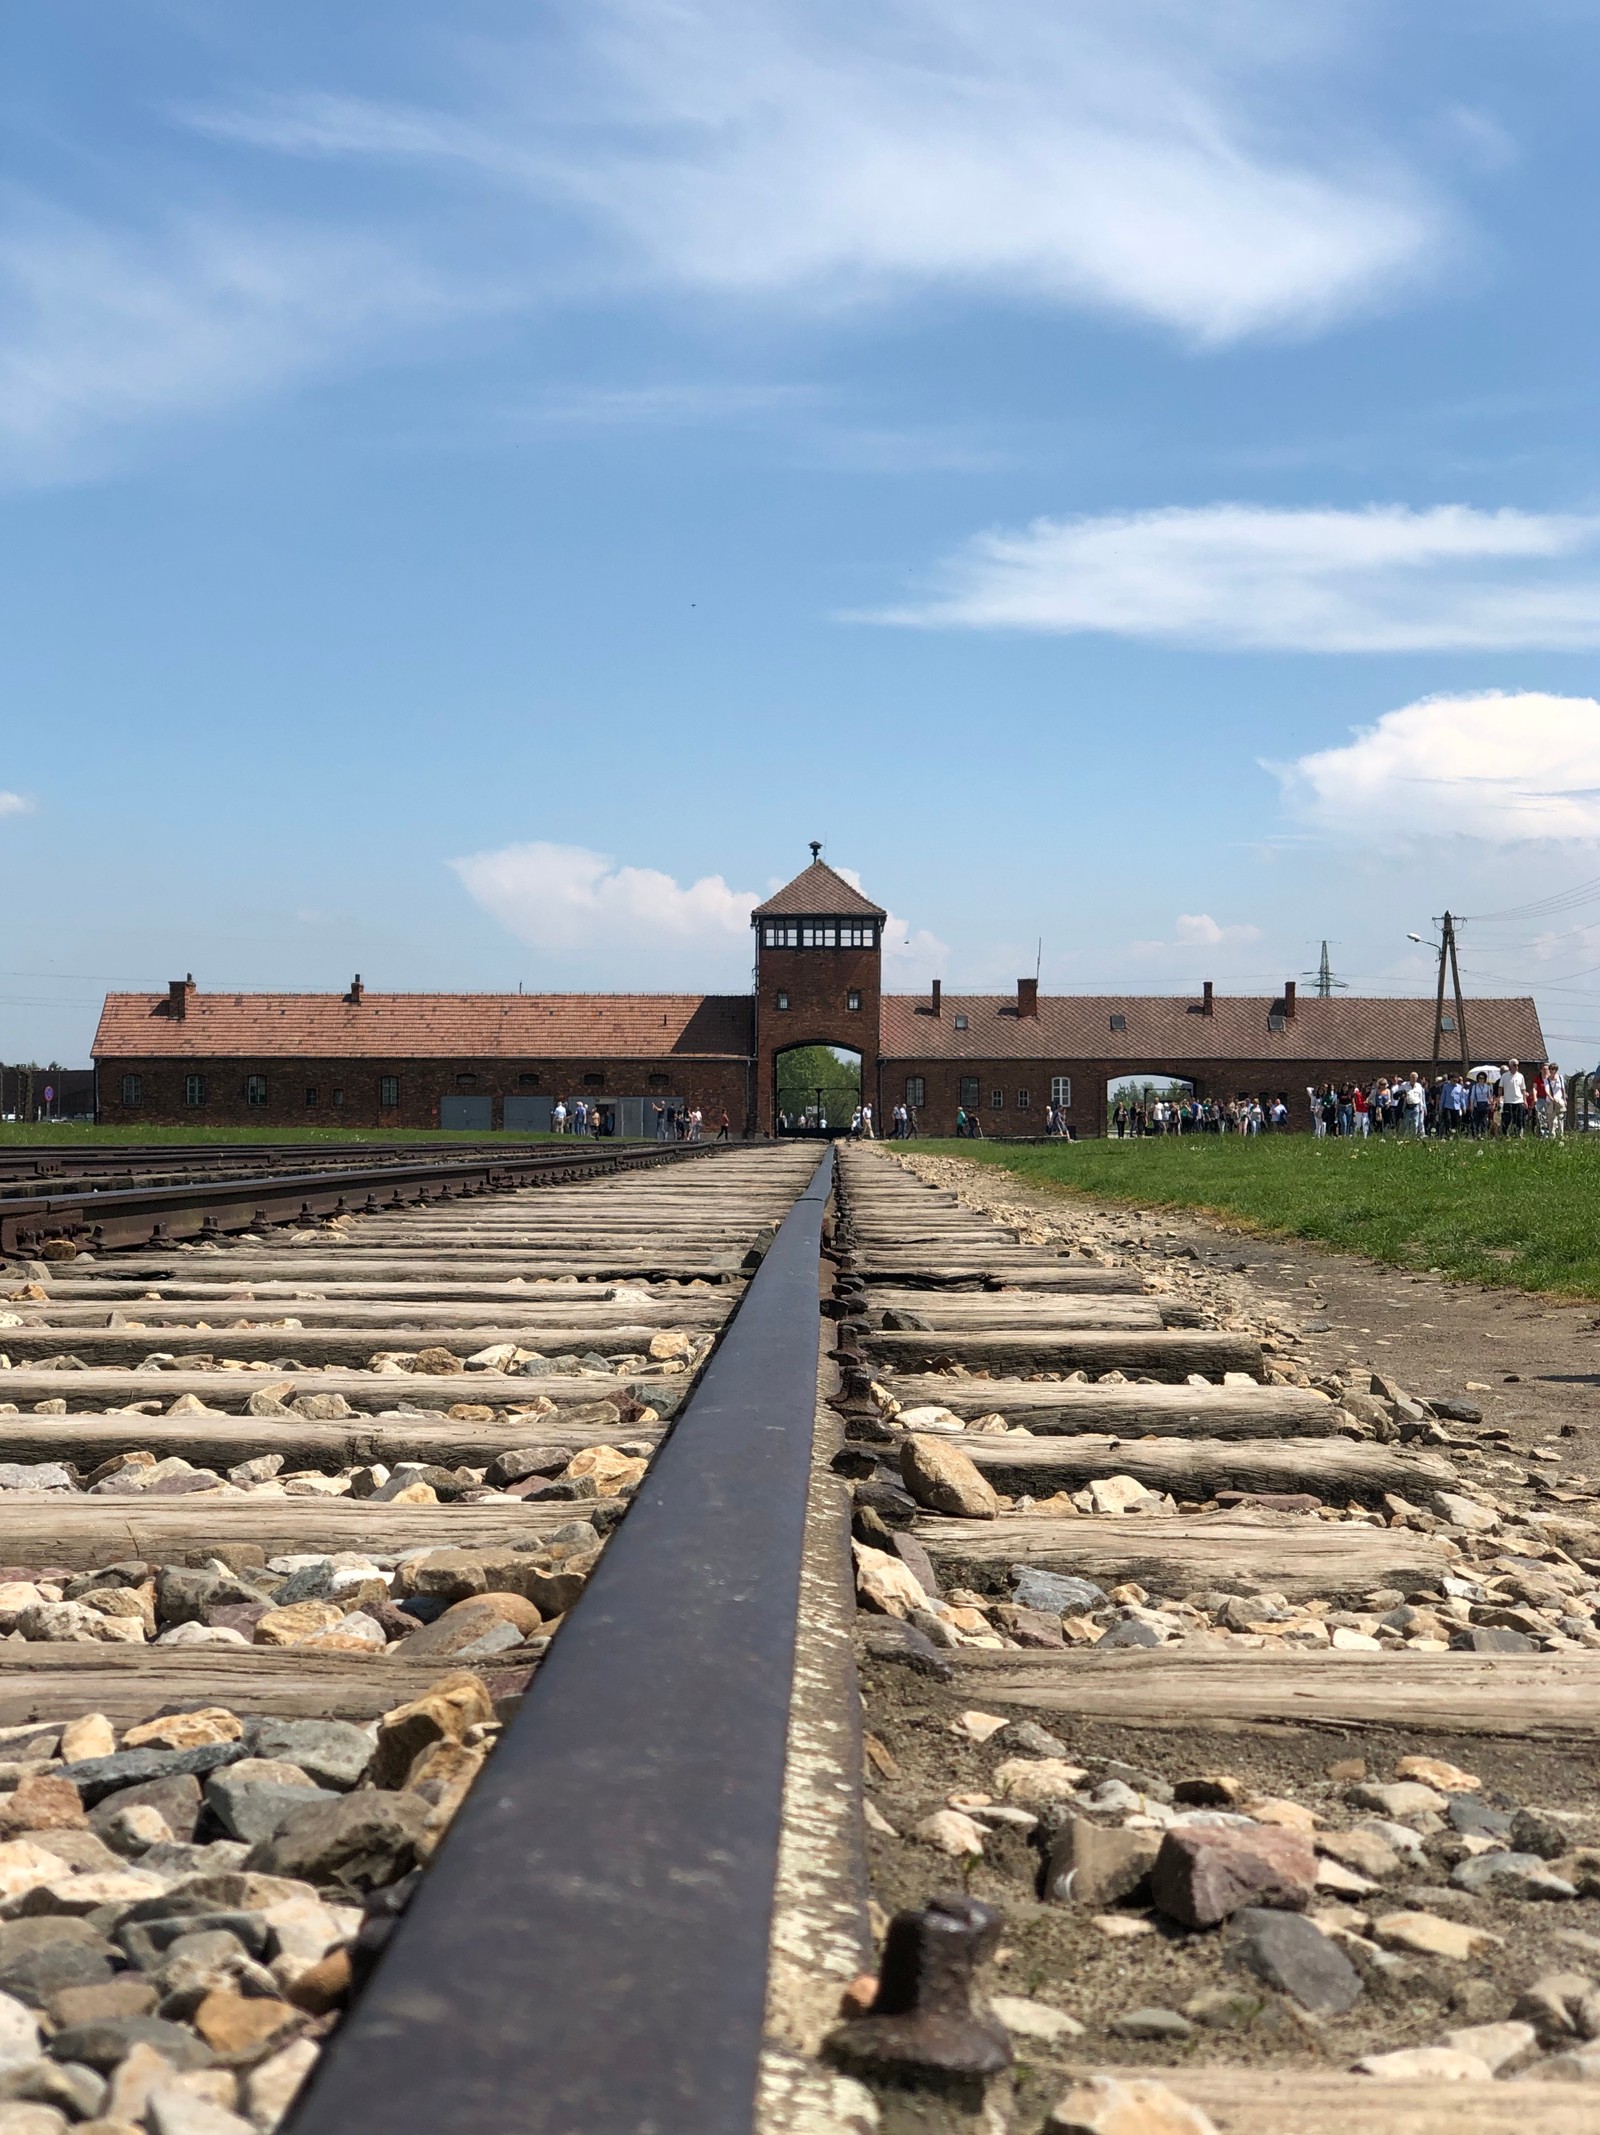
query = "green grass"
x=78 y=1134
x=1523 y=1214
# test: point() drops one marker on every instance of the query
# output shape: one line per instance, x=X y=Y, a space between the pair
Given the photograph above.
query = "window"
x=916 y=1092
x=781 y=936
x=997 y=1100
x=660 y=1082
x=819 y=937
x=338 y=1097
x=1119 y=1022
x=818 y=934
x=255 y=1089
x=969 y=1089
x=858 y=937
x=194 y=1090
x=132 y=1090
x=389 y=1090
x=1022 y=1100
x=783 y=1000
x=466 y=1082
x=853 y=998
x=595 y=1080
x=527 y=1082
x=961 y=1022
x=311 y=1093
x=1447 y=1022
x=1277 y=1023
x=1061 y=1089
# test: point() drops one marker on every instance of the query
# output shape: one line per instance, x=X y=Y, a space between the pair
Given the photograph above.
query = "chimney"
x=354 y=996
x=1208 y=1006
x=179 y=994
x=936 y=990
x=1288 y=1000
x=1028 y=998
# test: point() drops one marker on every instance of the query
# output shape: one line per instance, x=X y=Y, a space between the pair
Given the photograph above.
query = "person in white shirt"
x=1415 y=1099
x=558 y=1118
x=1555 y=1099
x=1513 y=1100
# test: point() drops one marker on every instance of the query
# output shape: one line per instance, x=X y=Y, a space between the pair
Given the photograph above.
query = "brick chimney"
x=1208 y=1006
x=937 y=989
x=1288 y=1000
x=357 y=991
x=180 y=992
x=1028 y=998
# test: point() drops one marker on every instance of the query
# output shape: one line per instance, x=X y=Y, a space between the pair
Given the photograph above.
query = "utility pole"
x=1447 y=954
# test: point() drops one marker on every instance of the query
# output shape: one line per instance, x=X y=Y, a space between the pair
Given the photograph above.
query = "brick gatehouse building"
x=499 y=1061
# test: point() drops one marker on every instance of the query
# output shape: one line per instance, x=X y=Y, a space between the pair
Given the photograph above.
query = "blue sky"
x=481 y=488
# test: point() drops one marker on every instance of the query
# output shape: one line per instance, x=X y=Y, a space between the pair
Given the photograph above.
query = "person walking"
x=724 y=1127
x=1555 y=1097
x=558 y=1118
x=867 y=1134
x=1513 y=1099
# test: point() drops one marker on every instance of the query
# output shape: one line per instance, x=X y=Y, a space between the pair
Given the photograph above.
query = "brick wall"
x=818 y=984
x=712 y=1084
x=1087 y=1110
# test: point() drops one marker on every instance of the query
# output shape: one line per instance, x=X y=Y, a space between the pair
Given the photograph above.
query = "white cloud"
x=566 y=901
x=1502 y=766
x=105 y=327
x=1198 y=930
x=15 y=804
x=1190 y=169
x=1242 y=576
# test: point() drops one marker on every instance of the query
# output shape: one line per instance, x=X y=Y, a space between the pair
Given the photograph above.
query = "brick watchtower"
x=818 y=977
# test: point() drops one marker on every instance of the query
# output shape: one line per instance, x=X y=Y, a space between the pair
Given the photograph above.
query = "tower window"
x=194 y=1089
x=853 y=998
x=388 y=1090
x=783 y=1000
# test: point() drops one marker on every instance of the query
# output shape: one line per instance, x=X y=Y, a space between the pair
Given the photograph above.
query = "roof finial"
x=816 y=848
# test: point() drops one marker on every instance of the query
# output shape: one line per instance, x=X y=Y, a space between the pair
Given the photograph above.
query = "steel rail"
x=588 y=1953
x=157 y=1214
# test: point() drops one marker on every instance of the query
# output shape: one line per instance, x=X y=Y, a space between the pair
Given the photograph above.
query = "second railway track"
x=518 y=1664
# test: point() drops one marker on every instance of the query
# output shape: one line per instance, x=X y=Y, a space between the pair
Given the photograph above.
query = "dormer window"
x=961 y=1022
x=1278 y=1022
x=1119 y=1022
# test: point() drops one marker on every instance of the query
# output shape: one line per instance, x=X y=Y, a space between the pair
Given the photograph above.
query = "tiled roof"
x=1390 y=1033
x=818 y=893
x=427 y=1026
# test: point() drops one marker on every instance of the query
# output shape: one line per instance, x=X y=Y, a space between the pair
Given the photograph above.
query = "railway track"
x=939 y=1711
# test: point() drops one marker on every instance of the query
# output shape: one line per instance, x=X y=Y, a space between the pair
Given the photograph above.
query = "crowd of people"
x=1488 y=1101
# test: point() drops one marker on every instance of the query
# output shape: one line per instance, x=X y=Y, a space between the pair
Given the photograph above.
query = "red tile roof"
x=427 y=1026
x=818 y=893
x=1389 y=1033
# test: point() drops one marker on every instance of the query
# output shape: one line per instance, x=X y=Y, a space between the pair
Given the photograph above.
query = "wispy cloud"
x=1197 y=930
x=106 y=327
x=1242 y=576
x=1506 y=767
x=911 y=955
x=15 y=804
x=1122 y=160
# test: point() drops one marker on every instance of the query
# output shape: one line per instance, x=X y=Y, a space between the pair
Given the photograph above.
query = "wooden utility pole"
x=1447 y=954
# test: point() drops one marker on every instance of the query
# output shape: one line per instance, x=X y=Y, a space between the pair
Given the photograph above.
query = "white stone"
x=951 y=1832
x=1419 y=2064
x=19 y=2033
x=270 y=2089
x=1494 y=2044
x=1028 y=2019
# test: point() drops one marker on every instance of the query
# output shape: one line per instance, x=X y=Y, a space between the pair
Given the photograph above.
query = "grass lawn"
x=1524 y=1214
x=79 y=1134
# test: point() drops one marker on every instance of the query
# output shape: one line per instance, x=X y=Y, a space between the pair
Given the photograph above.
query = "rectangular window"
x=1061 y=1089
x=311 y=1093
x=1119 y=1022
x=858 y=937
x=527 y=1082
x=997 y=1100
x=780 y=936
x=916 y=1092
x=466 y=1082
x=255 y=1089
x=783 y=1000
x=1277 y=1023
x=596 y=1080
x=852 y=999
x=194 y=1089
x=819 y=937
x=969 y=1089
x=338 y=1097
x=1022 y=1100
x=660 y=1082
x=388 y=1090
x=132 y=1090
x=961 y=1022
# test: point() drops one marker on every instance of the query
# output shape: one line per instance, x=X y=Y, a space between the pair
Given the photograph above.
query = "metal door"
x=475 y=1114
x=528 y=1115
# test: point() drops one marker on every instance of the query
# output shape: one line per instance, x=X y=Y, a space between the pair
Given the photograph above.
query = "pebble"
x=1203 y=1875
x=1511 y=1875
x=951 y=1832
x=1496 y=2045
x=1112 y=2105
x=1025 y=2018
x=942 y=1478
x=1424 y=2064
x=1425 y=1935
x=1285 y=1951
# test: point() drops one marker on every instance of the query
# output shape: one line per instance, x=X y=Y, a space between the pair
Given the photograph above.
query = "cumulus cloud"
x=568 y=902
x=1503 y=766
x=1195 y=170
x=1246 y=577
x=911 y=955
x=15 y=804
x=1198 y=930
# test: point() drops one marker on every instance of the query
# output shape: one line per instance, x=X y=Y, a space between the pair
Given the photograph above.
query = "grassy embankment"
x=79 y=1134
x=1524 y=1214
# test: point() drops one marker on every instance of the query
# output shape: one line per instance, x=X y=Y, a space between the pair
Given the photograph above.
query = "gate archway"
x=816 y=1089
